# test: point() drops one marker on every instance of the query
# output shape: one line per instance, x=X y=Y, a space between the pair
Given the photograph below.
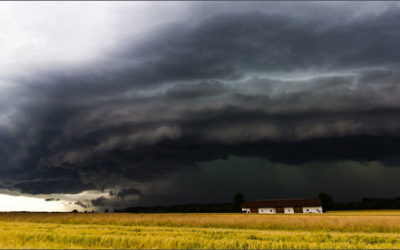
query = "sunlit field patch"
x=339 y=230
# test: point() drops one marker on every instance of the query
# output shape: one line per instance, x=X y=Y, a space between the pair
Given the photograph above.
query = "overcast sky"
x=116 y=104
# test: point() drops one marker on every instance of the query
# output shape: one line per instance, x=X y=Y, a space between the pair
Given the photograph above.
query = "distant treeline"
x=327 y=202
x=185 y=208
x=233 y=207
x=366 y=203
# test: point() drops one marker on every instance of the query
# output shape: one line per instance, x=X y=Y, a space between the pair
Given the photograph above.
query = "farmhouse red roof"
x=282 y=203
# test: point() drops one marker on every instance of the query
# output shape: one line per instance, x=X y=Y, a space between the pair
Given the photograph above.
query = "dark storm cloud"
x=204 y=89
x=99 y=202
x=259 y=178
x=56 y=186
x=52 y=199
x=230 y=45
x=129 y=191
x=249 y=84
x=80 y=203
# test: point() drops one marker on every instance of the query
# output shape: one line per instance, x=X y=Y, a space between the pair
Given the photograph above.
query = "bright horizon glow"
x=13 y=201
x=10 y=203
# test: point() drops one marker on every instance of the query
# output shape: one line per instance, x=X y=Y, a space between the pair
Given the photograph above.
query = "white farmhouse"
x=286 y=206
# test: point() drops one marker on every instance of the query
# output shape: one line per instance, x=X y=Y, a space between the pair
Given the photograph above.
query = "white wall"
x=307 y=210
x=289 y=210
x=246 y=210
x=267 y=210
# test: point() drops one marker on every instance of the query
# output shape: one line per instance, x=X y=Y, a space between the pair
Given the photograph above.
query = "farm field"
x=339 y=230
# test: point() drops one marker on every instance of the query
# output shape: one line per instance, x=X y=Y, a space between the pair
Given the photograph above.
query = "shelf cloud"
x=152 y=99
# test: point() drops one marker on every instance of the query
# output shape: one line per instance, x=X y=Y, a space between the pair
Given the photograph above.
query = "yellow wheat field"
x=335 y=230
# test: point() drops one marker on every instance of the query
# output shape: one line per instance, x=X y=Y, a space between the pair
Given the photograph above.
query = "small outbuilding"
x=283 y=206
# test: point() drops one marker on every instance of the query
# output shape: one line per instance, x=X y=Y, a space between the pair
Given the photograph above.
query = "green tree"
x=327 y=201
x=238 y=199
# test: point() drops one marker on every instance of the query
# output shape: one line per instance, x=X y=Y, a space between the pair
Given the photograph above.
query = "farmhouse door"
x=279 y=210
x=298 y=210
